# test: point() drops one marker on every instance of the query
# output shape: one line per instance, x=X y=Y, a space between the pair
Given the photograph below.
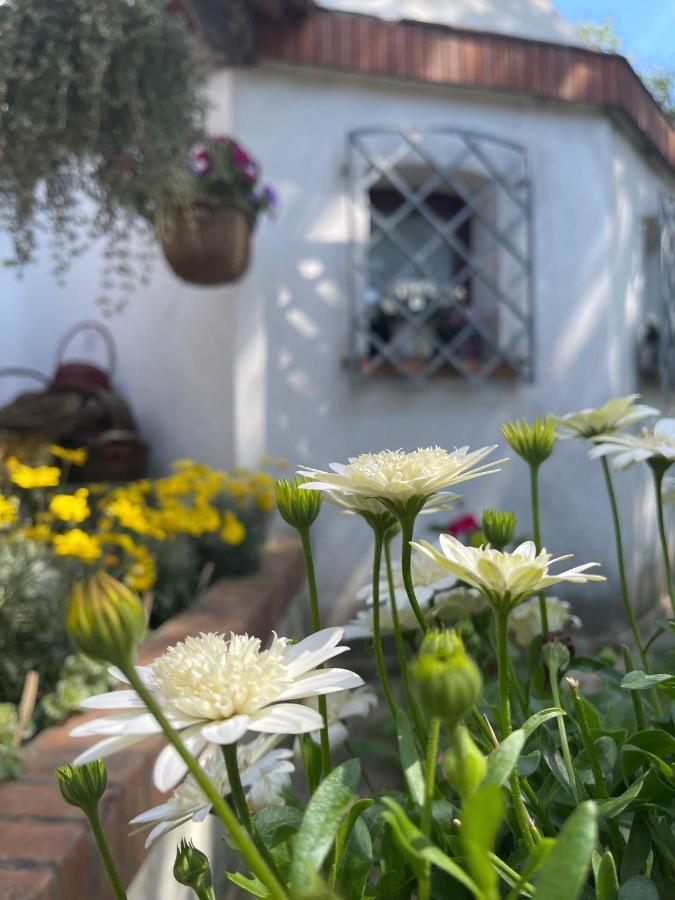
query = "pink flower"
x=462 y=525
x=199 y=161
x=246 y=163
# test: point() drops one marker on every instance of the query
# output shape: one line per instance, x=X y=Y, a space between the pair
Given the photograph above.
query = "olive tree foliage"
x=97 y=98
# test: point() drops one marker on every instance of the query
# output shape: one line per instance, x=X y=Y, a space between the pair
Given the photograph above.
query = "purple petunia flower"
x=199 y=161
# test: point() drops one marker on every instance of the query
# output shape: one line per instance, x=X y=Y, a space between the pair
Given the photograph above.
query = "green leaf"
x=345 y=829
x=410 y=761
x=653 y=742
x=606 y=881
x=639 y=681
x=276 y=824
x=528 y=763
x=637 y=848
x=356 y=862
x=564 y=874
x=482 y=814
x=320 y=823
x=419 y=849
x=501 y=760
x=531 y=724
x=250 y=885
x=615 y=805
x=639 y=888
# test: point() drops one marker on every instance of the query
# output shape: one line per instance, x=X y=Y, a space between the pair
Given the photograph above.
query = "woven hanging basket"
x=207 y=243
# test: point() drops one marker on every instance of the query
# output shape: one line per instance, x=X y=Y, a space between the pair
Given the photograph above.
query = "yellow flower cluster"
x=9 y=511
x=70 y=507
x=78 y=543
x=77 y=457
x=30 y=477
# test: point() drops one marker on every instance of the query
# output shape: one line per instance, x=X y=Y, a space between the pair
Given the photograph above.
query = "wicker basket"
x=207 y=243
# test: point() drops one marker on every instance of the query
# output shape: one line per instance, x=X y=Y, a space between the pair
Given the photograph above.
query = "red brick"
x=28 y=884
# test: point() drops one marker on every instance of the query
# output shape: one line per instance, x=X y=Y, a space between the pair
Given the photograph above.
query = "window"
x=440 y=255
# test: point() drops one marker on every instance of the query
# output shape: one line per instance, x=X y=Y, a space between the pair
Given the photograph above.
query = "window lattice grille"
x=441 y=254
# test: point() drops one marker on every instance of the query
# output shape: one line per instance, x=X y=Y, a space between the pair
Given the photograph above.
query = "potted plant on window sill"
x=210 y=209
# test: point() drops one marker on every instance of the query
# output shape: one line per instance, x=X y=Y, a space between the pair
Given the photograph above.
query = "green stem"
x=247 y=848
x=562 y=731
x=400 y=648
x=429 y=785
x=503 y=673
x=377 y=633
x=659 y=472
x=94 y=820
x=316 y=626
x=536 y=528
x=407 y=524
x=241 y=806
x=630 y=615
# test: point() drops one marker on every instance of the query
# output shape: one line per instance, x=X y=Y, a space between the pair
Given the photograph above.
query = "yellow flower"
x=9 y=510
x=135 y=516
x=141 y=575
x=38 y=533
x=76 y=457
x=70 y=507
x=77 y=543
x=32 y=476
x=233 y=531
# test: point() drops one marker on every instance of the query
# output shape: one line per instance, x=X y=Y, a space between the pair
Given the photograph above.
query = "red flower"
x=462 y=525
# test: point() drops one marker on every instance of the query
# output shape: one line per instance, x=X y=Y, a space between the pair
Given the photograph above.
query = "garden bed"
x=43 y=841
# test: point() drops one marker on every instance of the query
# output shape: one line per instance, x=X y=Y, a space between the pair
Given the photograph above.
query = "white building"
x=469 y=232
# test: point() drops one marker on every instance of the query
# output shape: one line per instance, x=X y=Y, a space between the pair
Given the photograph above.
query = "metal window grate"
x=442 y=267
x=666 y=341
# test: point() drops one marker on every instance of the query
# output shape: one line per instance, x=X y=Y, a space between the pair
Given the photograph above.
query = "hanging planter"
x=207 y=243
x=206 y=221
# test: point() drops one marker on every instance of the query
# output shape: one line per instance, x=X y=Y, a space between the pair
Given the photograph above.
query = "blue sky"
x=647 y=27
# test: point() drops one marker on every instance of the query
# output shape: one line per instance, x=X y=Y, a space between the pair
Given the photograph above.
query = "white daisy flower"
x=344 y=706
x=616 y=414
x=525 y=620
x=355 y=504
x=214 y=690
x=264 y=773
x=657 y=444
x=397 y=476
x=504 y=579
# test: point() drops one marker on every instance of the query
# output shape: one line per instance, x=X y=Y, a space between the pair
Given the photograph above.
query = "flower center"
x=209 y=677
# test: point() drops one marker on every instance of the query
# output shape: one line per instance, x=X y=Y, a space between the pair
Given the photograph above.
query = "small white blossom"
x=616 y=414
x=525 y=620
x=657 y=444
x=504 y=579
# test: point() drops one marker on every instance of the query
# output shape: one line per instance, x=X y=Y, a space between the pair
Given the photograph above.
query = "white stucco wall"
x=591 y=192
x=226 y=374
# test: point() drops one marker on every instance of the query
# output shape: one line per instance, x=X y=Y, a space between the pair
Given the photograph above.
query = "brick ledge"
x=46 y=852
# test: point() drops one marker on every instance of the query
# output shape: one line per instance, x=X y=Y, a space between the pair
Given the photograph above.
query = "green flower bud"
x=446 y=679
x=83 y=786
x=192 y=869
x=464 y=765
x=106 y=620
x=608 y=657
x=555 y=655
x=499 y=527
x=298 y=507
x=533 y=442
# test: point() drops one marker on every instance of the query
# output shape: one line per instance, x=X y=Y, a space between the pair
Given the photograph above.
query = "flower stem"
x=241 y=806
x=247 y=848
x=659 y=472
x=536 y=528
x=407 y=523
x=377 y=633
x=429 y=784
x=503 y=675
x=553 y=673
x=635 y=695
x=316 y=626
x=630 y=615
x=398 y=640
x=94 y=819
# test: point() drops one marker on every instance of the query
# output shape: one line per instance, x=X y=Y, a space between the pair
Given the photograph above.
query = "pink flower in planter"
x=246 y=163
x=199 y=161
x=462 y=525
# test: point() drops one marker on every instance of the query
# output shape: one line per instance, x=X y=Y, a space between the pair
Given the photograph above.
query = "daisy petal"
x=227 y=731
x=286 y=718
x=114 y=700
x=170 y=767
x=323 y=681
x=106 y=747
